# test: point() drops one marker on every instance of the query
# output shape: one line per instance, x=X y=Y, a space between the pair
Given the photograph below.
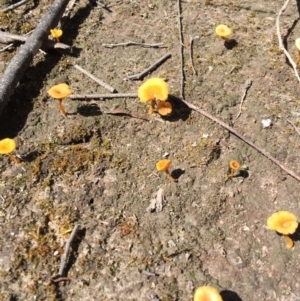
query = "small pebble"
x=266 y=123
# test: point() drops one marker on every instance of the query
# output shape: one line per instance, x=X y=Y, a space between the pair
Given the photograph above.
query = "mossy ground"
x=98 y=170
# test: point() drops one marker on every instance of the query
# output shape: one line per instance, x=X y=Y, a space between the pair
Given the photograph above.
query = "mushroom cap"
x=163 y=165
x=283 y=222
x=235 y=165
x=56 y=33
x=207 y=293
x=223 y=30
x=60 y=91
x=153 y=89
x=164 y=108
x=7 y=146
x=297 y=43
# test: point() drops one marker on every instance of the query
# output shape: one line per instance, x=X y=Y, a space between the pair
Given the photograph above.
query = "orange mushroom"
x=56 y=33
x=224 y=32
x=60 y=92
x=207 y=293
x=152 y=90
x=164 y=108
x=284 y=223
x=7 y=146
x=234 y=166
x=164 y=165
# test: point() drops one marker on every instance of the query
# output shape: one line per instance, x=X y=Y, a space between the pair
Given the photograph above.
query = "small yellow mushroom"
x=224 y=32
x=60 y=92
x=164 y=165
x=56 y=33
x=234 y=167
x=7 y=146
x=152 y=90
x=207 y=293
x=284 y=223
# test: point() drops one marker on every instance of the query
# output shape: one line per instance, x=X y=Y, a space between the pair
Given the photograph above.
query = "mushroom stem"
x=289 y=241
x=14 y=158
x=170 y=177
x=152 y=104
x=234 y=173
x=226 y=39
x=61 y=108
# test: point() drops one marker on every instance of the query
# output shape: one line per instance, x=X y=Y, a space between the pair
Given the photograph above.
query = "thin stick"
x=240 y=136
x=182 y=78
x=247 y=85
x=294 y=126
x=130 y=43
x=102 y=5
x=13 y=6
x=67 y=251
x=12 y=44
x=60 y=279
x=191 y=54
x=103 y=96
x=97 y=80
x=281 y=46
x=7 y=37
x=67 y=13
x=20 y=62
x=149 y=69
x=6 y=47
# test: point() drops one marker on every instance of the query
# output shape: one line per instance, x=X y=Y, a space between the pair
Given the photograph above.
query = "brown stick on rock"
x=21 y=61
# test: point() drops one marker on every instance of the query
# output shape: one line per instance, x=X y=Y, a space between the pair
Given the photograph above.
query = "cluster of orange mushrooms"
x=155 y=92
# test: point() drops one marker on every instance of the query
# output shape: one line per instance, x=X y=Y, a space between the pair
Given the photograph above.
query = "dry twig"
x=13 y=6
x=12 y=44
x=103 y=96
x=149 y=69
x=102 y=5
x=7 y=38
x=240 y=136
x=65 y=256
x=182 y=78
x=281 y=46
x=247 y=85
x=191 y=54
x=66 y=15
x=23 y=58
x=97 y=80
x=56 y=279
x=6 y=47
x=130 y=43
x=294 y=126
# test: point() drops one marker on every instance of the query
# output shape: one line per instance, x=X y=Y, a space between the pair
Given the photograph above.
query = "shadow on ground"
x=228 y=295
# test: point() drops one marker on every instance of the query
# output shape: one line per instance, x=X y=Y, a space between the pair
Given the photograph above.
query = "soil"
x=97 y=170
